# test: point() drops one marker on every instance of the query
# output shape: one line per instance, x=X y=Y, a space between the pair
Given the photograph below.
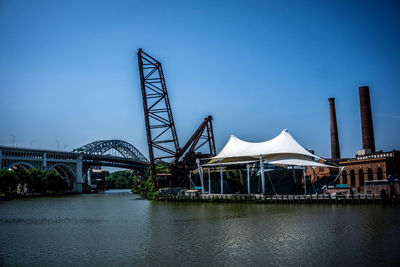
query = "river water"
x=121 y=229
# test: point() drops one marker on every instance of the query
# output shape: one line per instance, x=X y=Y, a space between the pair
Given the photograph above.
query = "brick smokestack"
x=367 y=127
x=335 y=150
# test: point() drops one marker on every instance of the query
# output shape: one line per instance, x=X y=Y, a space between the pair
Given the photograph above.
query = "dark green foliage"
x=35 y=180
x=147 y=188
x=120 y=180
x=162 y=167
x=55 y=182
x=8 y=181
x=24 y=178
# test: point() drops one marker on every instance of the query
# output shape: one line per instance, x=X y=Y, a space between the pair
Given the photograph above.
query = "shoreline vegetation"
x=31 y=183
x=147 y=188
x=129 y=180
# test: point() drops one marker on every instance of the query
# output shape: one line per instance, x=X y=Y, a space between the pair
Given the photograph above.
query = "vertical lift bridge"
x=163 y=144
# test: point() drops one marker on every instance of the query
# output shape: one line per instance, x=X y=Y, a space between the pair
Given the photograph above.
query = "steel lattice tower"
x=162 y=139
x=160 y=126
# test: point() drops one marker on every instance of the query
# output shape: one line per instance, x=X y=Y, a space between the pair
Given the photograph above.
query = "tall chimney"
x=335 y=150
x=366 y=119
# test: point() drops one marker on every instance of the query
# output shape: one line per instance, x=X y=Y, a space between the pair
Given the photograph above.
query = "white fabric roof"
x=298 y=162
x=282 y=145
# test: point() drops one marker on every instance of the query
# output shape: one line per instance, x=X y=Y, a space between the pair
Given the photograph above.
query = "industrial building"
x=368 y=164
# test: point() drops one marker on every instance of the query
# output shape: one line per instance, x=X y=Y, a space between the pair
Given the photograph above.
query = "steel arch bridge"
x=101 y=146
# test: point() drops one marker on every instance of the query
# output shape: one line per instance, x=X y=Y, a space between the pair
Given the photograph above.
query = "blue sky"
x=68 y=69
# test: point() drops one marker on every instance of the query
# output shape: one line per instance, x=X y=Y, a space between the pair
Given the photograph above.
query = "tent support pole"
x=222 y=180
x=305 y=182
x=201 y=176
x=209 y=181
x=262 y=175
x=294 y=175
x=190 y=179
x=248 y=178
x=272 y=185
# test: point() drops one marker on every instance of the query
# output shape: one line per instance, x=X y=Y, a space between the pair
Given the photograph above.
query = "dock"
x=366 y=199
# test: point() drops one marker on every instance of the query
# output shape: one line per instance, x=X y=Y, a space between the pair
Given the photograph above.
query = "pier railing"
x=282 y=199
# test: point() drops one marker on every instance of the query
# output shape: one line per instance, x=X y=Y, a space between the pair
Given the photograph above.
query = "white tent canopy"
x=282 y=150
x=282 y=147
x=298 y=162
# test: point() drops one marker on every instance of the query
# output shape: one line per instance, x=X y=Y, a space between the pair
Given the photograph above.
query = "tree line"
x=120 y=180
x=31 y=181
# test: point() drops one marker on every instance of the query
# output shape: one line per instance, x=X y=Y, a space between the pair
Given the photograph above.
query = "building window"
x=344 y=177
x=352 y=178
x=361 y=177
x=380 y=173
x=370 y=174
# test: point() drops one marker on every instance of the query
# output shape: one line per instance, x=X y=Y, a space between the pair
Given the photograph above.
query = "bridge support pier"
x=71 y=164
x=44 y=164
x=79 y=178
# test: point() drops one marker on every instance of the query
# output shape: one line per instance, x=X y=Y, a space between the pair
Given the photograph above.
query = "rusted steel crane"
x=162 y=138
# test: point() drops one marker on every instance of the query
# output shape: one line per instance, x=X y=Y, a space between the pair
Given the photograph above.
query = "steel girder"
x=160 y=127
x=162 y=139
x=204 y=134
x=100 y=147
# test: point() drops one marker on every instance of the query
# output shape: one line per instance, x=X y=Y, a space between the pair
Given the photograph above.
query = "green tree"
x=55 y=182
x=147 y=188
x=8 y=181
x=120 y=179
x=38 y=180
x=24 y=179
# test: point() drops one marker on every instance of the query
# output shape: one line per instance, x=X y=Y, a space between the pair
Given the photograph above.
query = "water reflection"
x=120 y=228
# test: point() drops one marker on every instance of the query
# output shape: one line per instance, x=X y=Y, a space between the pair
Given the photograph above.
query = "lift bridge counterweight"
x=161 y=134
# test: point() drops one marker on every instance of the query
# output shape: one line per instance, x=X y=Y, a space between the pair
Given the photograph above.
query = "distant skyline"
x=69 y=74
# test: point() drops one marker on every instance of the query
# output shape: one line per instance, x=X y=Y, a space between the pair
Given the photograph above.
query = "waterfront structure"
x=282 y=151
x=96 y=179
x=73 y=166
x=162 y=138
x=368 y=164
x=373 y=166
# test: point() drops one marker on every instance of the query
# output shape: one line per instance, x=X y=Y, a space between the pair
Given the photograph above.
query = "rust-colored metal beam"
x=161 y=134
x=192 y=144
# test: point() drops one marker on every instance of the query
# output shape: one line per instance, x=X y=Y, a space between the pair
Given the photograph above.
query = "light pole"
x=13 y=139
x=65 y=147
x=30 y=146
x=58 y=145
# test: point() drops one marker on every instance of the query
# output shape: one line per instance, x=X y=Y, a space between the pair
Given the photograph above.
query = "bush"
x=38 y=181
x=55 y=182
x=8 y=181
x=34 y=179
x=146 y=189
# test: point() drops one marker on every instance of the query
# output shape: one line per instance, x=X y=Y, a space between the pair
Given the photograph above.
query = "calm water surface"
x=120 y=229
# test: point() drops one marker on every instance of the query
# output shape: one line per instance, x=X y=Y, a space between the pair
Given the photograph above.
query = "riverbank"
x=282 y=199
x=7 y=197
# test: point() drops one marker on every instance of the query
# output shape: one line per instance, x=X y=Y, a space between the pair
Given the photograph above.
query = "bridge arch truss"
x=102 y=146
